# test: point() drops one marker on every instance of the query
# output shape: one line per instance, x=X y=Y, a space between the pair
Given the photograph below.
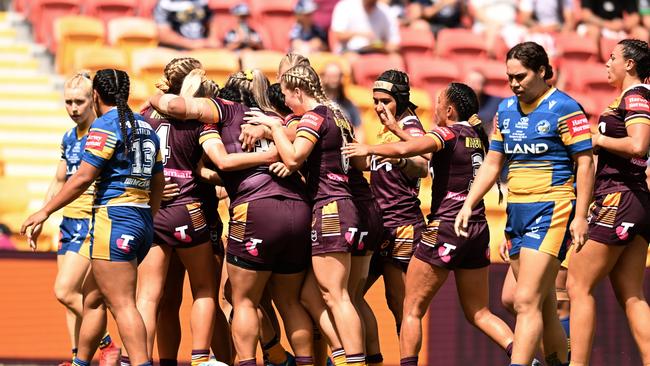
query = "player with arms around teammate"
x=541 y=134
x=122 y=154
x=619 y=223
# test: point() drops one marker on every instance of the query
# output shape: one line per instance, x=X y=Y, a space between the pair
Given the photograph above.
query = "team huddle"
x=308 y=235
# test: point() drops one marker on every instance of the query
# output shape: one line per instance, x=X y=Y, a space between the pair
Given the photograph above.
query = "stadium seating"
x=432 y=74
x=496 y=80
x=573 y=47
x=277 y=18
x=148 y=64
x=415 y=43
x=321 y=59
x=460 y=44
x=110 y=9
x=606 y=47
x=102 y=57
x=587 y=77
x=426 y=105
x=218 y=64
x=73 y=32
x=131 y=33
x=367 y=67
x=42 y=14
x=146 y=7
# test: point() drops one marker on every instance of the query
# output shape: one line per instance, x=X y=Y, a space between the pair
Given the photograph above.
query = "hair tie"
x=248 y=73
x=474 y=120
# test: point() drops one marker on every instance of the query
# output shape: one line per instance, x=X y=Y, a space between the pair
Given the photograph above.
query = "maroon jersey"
x=396 y=192
x=180 y=147
x=453 y=170
x=616 y=173
x=327 y=169
x=254 y=183
x=359 y=186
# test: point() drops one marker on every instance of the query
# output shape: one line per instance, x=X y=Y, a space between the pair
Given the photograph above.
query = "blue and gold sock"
x=78 y=362
x=106 y=341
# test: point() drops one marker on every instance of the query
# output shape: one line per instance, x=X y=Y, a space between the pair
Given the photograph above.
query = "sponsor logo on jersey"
x=543 y=127
x=551 y=104
x=444 y=132
x=96 y=140
x=539 y=148
x=578 y=125
x=637 y=103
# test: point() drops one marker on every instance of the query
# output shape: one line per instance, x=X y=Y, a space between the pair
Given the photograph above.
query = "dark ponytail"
x=113 y=89
x=465 y=101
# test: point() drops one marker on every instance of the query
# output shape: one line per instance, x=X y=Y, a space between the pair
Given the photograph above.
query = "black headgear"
x=400 y=92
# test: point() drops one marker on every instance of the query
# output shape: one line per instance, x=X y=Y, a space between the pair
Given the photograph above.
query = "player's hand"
x=250 y=134
x=355 y=149
x=278 y=168
x=579 y=232
x=387 y=119
x=257 y=117
x=170 y=190
x=462 y=220
x=393 y=161
x=504 y=250
x=32 y=227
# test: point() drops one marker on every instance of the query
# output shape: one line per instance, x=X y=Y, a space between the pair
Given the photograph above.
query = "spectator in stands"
x=496 y=18
x=243 y=36
x=365 y=26
x=332 y=81
x=488 y=104
x=435 y=14
x=184 y=24
x=5 y=238
x=306 y=37
x=611 y=19
x=644 y=11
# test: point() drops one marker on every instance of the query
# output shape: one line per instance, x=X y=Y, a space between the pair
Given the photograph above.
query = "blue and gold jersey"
x=72 y=148
x=125 y=179
x=538 y=141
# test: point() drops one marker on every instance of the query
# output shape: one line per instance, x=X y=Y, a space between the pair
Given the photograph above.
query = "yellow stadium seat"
x=97 y=58
x=266 y=61
x=130 y=33
x=148 y=64
x=139 y=94
x=426 y=105
x=75 y=32
x=218 y=64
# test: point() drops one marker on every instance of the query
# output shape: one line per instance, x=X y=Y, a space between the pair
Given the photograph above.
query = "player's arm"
x=634 y=145
x=201 y=109
x=206 y=174
x=75 y=186
x=57 y=182
x=584 y=191
x=155 y=196
x=217 y=153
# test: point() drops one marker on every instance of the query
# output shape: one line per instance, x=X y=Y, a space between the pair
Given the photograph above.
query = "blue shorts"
x=121 y=233
x=74 y=236
x=542 y=226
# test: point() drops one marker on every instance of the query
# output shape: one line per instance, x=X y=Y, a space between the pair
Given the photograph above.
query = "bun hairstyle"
x=113 y=89
x=175 y=72
x=532 y=56
x=396 y=83
x=81 y=79
x=637 y=51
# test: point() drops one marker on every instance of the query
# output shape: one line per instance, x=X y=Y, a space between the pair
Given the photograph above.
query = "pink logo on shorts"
x=123 y=242
x=183 y=237
x=443 y=253
x=622 y=231
x=251 y=247
x=349 y=237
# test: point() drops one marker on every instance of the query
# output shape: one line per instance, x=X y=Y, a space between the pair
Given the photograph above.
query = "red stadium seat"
x=432 y=74
x=44 y=12
x=277 y=17
x=415 y=42
x=496 y=80
x=368 y=67
x=321 y=59
x=606 y=47
x=71 y=33
x=589 y=78
x=146 y=7
x=110 y=9
x=573 y=47
x=130 y=33
x=460 y=44
x=218 y=64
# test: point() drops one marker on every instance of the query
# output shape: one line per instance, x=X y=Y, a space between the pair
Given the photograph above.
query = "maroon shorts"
x=617 y=218
x=182 y=226
x=441 y=247
x=370 y=228
x=334 y=227
x=270 y=234
x=216 y=231
x=398 y=245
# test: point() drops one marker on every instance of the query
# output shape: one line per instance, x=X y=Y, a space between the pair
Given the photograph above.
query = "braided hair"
x=465 y=101
x=113 y=89
x=175 y=72
x=636 y=50
x=196 y=84
x=255 y=83
x=306 y=79
x=81 y=79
